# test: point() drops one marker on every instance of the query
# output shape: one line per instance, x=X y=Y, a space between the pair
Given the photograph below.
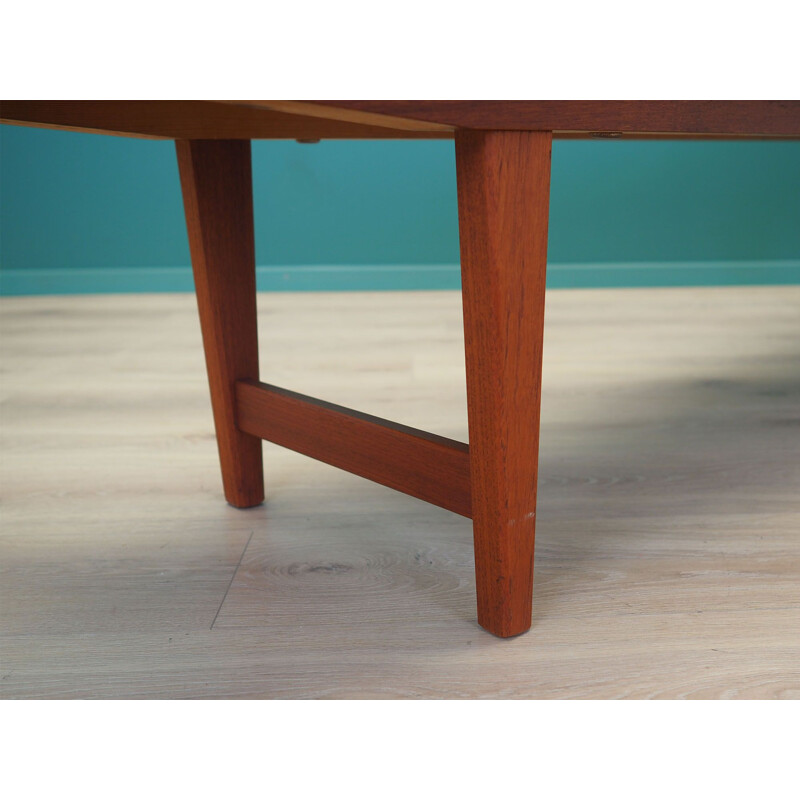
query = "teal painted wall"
x=81 y=212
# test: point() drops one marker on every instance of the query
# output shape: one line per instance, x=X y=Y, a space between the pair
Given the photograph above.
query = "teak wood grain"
x=426 y=466
x=199 y=119
x=503 y=200
x=688 y=117
x=218 y=199
x=408 y=119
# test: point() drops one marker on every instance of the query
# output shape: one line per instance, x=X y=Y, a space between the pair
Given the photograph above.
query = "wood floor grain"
x=668 y=543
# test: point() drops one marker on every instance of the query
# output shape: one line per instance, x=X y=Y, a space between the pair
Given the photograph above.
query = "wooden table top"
x=410 y=119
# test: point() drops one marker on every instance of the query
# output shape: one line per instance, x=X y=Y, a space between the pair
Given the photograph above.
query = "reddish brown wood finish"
x=198 y=119
x=689 y=117
x=218 y=199
x=408 y=119
x=421 y=464
x=503 y=200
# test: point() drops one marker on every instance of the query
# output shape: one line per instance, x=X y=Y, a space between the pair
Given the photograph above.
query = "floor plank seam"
x=233 y=577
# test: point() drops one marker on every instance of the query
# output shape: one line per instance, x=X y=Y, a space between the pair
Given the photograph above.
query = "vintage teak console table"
x=503 y=173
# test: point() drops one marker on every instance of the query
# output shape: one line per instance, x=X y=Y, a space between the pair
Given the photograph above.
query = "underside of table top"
x=410 y=119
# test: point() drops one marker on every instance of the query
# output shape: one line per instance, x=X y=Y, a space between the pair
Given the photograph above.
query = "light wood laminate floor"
x=668 y=543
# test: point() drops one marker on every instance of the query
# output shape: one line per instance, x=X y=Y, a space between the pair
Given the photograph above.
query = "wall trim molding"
x=388 y=277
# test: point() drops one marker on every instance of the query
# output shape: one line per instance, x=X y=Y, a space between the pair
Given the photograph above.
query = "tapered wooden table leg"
x=218 y=199
x=503 y=201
